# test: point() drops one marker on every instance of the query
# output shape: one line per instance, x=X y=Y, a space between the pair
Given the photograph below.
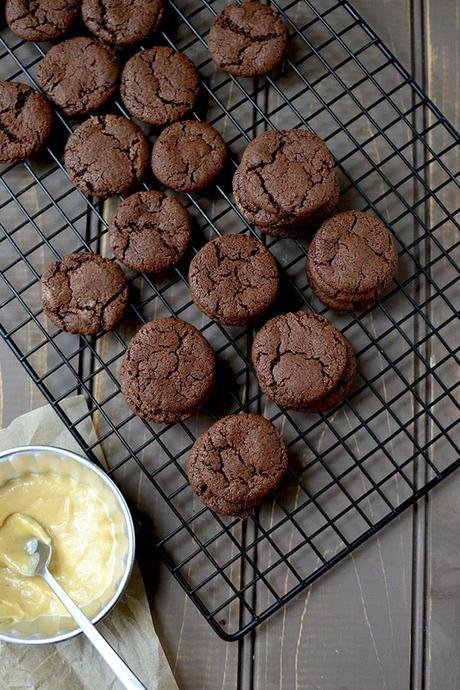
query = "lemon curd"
x=15 y=533
x=81 y=529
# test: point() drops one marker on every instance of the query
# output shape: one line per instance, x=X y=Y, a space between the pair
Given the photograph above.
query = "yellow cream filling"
x=83 y=540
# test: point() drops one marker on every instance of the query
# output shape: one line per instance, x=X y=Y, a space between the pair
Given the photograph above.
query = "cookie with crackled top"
x=286 y=182
x=150 y=232
x=79 y=75
x=26 y=121
x=168 y=371
x=188 y=156
x=159 y=85
x=302 y=362
x=41 y=20
x=234 y=279
x=122 y=22
x=84 y=293
x=106 y=155
x=351 y=261
x=248 y=39
x=237 y=463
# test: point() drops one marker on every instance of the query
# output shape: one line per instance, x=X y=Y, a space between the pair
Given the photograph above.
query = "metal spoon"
x=35 y=547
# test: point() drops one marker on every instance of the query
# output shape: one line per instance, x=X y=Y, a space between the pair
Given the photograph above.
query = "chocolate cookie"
x=234 y=279
x=188 y=156
x=150 y=232
x=351 y=261
x=105 y=155
x=168 y=371
x=159 y=85
x=236 y=463
x=302 y=362
x=247 y=40
x=286 y=182
x=78 y=75
x=84 y=293
x=122 y=22
x=40 y=20
x=26 y=120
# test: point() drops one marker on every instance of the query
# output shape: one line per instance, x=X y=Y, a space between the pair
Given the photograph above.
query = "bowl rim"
x=130 y=536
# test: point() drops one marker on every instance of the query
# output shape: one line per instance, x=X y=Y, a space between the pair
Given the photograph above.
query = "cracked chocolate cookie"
x=303 y=362
x=78 y=75
x=105 y=155
x=168 y=371
x=351 y=261
x=247 y=40
x=236 y=463
x=122 y=22
x=26 y=120
x=150 y=232
x=84 y=293
x=188 y=156
x=286 y=183
x=159 y=86
x=234 y=279
x=40 y=20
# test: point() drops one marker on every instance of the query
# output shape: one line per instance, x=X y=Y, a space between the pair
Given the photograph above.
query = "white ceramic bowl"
x=18 y=462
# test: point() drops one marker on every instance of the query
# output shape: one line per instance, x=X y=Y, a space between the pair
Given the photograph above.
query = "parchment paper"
x=74 y=664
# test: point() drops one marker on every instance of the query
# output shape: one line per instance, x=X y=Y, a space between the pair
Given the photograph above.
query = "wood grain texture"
x=354 y=629
x=441 y=667
x=362 y=609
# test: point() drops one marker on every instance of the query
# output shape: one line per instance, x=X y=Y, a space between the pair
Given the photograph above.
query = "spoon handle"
x=118 y=666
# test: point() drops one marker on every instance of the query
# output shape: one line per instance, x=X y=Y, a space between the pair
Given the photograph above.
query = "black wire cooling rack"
x=352 y=470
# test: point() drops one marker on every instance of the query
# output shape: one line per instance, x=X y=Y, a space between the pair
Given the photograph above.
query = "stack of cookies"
x=285 y=185
x=286 y=182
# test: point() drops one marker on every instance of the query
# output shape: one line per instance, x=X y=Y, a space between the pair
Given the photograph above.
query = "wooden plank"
x=197 y=657
x=195 y=654
x=441 y=25
x=352 y=628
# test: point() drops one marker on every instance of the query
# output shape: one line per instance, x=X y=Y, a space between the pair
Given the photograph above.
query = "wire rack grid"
x=352 y=470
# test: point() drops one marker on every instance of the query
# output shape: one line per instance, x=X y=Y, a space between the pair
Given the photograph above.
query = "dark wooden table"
x=388 y=618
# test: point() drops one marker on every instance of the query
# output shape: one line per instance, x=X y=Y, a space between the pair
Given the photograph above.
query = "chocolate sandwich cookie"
x=40 y=20
x=105 y=155
x=286 y=183
x=236 y=463
x=303 y=362
x=351 y=261
x=159 y=86
x=247 y=40
x=78 y=75
x=26 y=121
x=84 y=293
x=122 y=22
x=188 y=156
x=168 y=371
x=150 y=232
x=234 y=279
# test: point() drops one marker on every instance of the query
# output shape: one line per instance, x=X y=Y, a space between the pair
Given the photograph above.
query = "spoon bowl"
x=34 y=546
